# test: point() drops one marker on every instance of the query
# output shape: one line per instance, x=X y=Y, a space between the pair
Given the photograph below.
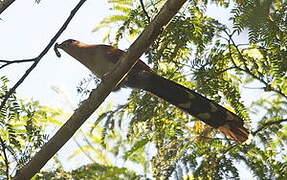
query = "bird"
x=100 y=59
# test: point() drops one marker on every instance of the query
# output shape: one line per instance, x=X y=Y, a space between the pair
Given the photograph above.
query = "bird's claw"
x=105 y=77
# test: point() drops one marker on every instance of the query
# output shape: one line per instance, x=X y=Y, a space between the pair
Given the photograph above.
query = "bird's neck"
x=95 y=58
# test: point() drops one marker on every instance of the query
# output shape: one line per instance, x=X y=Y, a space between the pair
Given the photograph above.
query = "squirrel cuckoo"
x=100 y=59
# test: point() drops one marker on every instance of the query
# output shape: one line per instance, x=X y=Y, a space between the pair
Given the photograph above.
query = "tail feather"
x=195 y=104
x=236 y=131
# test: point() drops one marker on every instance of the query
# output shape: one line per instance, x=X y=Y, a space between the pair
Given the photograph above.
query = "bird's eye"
x=71 y=40
x=68 y=43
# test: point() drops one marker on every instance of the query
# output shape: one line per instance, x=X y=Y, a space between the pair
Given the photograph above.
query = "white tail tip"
x=249 y=140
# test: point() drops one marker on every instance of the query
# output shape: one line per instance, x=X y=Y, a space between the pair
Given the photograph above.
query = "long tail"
x=195 y=104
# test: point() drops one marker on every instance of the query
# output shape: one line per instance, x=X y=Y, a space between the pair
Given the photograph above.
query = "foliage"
x=95 y=171
x=22 y=130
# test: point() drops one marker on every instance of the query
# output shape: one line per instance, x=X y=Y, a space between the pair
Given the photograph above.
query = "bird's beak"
x=64 y=46
x=60 y=46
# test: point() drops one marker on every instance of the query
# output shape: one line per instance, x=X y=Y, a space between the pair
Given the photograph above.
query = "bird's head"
x=68 y=43
x=65 y=45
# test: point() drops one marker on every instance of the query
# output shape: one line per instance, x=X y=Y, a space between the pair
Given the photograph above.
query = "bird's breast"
x=101 y=65
x=99 y=62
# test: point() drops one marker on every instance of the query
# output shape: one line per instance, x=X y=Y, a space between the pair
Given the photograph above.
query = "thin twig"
x=246 y=87
x=6 y=62
x=238 y=50
x=144 y=10
x=267 y=124
x=224 y=70
x=83 y=150
x=228 y=149
x=37 y=59
x=213 y=138
x=5 y=157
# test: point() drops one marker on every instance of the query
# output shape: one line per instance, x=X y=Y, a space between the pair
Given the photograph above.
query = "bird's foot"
x=105 y=77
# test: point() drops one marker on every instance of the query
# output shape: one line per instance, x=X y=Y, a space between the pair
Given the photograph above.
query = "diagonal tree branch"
x=98 y=95
x=38 y=58
x=5 y=4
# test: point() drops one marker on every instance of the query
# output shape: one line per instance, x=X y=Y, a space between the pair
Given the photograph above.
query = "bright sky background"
x=26 y=28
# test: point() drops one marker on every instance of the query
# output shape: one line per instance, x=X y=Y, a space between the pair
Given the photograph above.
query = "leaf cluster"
x=96 y=171
x=22 y=130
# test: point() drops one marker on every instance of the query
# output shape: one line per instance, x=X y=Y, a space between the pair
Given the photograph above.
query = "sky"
x=30 y=29
x=26 y=28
